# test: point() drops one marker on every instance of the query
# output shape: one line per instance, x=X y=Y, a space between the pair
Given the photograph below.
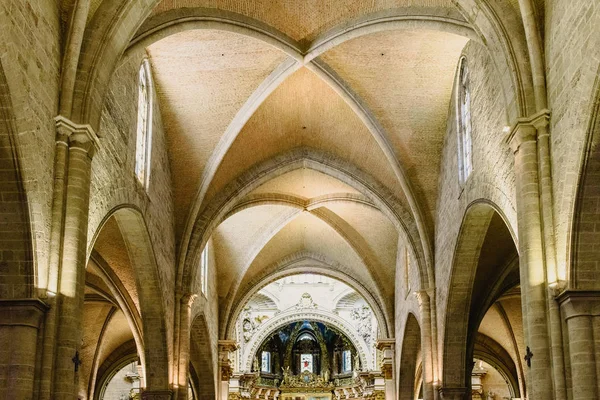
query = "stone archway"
x=411 y=348
x=201 y=360
x=17 y=271
x=476 y=282
x=141 y=256
x=308 y=314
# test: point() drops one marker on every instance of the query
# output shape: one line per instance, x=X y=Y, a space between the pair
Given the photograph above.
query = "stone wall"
x=30 y=57
x=492 y=179
x=572 y=42
x=114 y=183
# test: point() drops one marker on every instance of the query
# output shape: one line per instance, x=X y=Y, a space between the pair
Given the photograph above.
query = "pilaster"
x=523 y=141
x=226 y=347
x=426 y=343
x=20 y=321
x=82 y=145
x=387 y=348
x=581 y=311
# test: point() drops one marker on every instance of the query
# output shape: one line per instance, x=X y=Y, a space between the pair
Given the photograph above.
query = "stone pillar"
x=226 y=347
x=61 y=152
x=386 y=346
x=580 y=309
x=426 y=348
x=82 y=145
x=523 y=141
x=185 y=311
x=20 y=321
x=453 y=393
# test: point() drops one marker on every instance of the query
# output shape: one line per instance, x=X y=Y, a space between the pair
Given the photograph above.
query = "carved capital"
x=579 y=303
x=526 y=129
x=228 y=345
x=78 y=136
x=187 y=299
x=385 y=344
x=22 y=312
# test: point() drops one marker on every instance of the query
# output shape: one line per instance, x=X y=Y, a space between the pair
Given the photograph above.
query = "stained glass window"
x=266 y=362
x=346 y=361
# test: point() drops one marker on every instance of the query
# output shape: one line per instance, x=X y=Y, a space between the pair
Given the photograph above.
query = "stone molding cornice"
x=228 y=345
x=384 y=344
x=579 y=303
x=22 y=312
x=80 y=136
x=526 y=129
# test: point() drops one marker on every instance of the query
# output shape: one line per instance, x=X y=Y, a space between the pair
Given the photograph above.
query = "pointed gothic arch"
x=141 y=256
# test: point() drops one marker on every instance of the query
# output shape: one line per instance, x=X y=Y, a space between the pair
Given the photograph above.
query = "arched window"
x=144 y=125
x=266 y=362
x=204 y=269
x=346 y=361
x=465 y=145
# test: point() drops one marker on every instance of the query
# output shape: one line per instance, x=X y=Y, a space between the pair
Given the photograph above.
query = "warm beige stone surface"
x=434 y=261
x=414 y=71
x=303 y=21
x=202 y=78
x=304 y=111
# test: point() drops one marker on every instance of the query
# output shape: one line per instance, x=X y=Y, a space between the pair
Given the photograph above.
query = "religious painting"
x=306 y=363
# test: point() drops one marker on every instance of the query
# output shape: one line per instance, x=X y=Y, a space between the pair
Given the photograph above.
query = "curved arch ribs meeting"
x=118 y=27
x=92 y=76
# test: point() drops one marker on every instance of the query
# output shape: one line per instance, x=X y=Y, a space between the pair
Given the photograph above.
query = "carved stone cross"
x=528 y=356
x=76 y=360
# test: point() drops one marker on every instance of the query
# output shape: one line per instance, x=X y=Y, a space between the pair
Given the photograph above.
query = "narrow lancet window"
x=204 y=269
x=144 y=125
x=465 y=145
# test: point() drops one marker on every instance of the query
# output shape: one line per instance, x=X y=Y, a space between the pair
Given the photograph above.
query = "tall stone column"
x=386 y=346
x=20 y=321
x=426 y=347
x=82 y=143
x=523 y=141
x=226 y=347
x=185 y=311
x=581 y=310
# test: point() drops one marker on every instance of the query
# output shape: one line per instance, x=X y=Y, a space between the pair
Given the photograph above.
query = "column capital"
x=228 y=345
x=80 y=136
x=22 y=312
x=187 y=299
x=385 y=344
x=526 y=129
x=579 y=303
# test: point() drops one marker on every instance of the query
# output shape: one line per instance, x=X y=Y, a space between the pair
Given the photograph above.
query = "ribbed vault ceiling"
x=377 y=102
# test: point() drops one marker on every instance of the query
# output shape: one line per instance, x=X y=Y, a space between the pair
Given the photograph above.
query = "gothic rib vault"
x=165 y=164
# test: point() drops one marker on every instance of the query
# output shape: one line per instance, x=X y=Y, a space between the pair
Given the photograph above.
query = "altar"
x=305 y=386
